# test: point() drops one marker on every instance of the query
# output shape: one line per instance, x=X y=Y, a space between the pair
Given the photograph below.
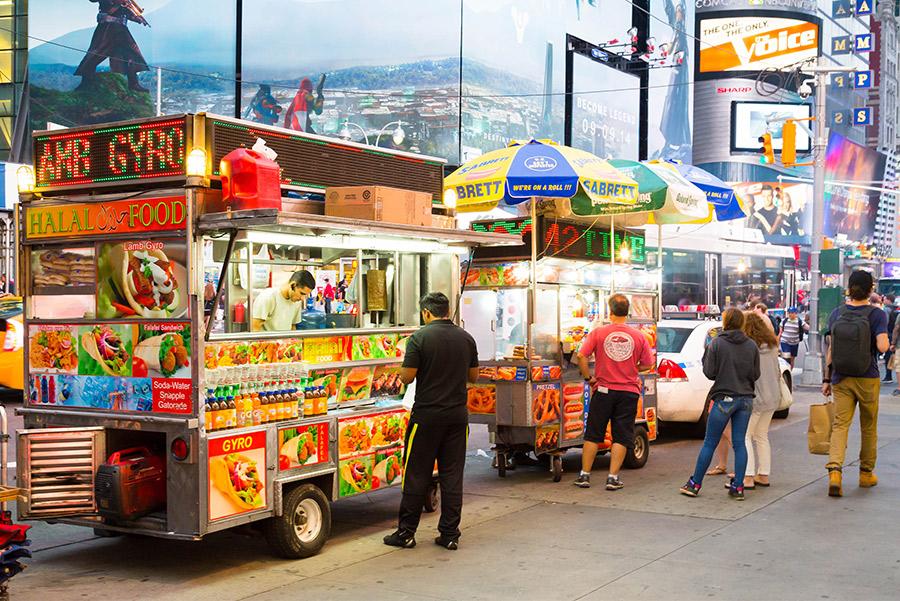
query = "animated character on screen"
x=299 y=114
x=112 y=40
x=263 y=108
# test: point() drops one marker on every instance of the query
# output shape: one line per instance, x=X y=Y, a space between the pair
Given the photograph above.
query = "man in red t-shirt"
x=328 y=295
x=620 y=353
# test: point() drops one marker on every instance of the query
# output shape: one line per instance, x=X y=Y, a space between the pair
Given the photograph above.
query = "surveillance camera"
x=805 y=90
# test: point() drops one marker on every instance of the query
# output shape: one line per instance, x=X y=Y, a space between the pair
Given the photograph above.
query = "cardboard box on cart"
x=379 y=203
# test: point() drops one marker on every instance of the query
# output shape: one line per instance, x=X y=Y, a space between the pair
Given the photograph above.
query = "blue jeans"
x=738 y=411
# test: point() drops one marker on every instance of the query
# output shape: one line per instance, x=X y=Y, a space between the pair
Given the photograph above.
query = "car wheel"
x=700 y=427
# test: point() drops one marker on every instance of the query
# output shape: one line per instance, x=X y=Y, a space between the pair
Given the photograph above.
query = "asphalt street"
x=525 y=537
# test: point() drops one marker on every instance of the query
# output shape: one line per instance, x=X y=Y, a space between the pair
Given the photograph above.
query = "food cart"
x=531 y=393
x=151 y=406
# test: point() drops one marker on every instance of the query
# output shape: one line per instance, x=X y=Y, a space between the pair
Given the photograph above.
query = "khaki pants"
x=847 y=394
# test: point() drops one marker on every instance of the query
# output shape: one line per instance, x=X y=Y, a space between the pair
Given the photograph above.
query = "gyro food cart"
x=152 y=404
x=531 y=393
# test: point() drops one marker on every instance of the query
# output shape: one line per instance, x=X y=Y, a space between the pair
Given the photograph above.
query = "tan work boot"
x=835 y=478
x=867 y=479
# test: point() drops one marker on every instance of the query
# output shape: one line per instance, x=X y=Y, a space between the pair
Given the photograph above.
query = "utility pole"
x=812 y=364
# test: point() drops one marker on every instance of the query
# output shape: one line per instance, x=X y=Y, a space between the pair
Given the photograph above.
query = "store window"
x=757 y=278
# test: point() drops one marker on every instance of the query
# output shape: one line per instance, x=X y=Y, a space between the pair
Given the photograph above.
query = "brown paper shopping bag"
x=819 y=433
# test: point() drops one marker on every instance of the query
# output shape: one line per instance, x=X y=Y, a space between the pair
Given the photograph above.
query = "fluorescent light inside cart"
x=351 y=242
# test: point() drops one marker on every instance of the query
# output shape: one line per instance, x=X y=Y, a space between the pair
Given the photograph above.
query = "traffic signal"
x=768 y=153
x=789 y=143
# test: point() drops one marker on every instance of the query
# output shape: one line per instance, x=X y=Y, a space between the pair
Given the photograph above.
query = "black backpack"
x=851 y=341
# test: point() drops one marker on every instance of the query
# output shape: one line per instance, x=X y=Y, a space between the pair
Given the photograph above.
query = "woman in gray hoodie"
x=768 y=397
x=732 y=362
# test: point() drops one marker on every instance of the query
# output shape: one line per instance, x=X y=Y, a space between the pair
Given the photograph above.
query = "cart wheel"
x=304 y=525
x=557 y=468
x=501 y=465
x=637 y=457
x=433 y=498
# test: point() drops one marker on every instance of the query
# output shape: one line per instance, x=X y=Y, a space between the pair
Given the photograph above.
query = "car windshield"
x=671 y=340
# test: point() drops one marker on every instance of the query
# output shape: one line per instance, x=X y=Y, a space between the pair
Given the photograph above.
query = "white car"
x=682 y=388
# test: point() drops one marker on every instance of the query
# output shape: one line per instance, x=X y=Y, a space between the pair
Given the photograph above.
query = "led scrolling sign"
x=142 y=151
x=570 y=240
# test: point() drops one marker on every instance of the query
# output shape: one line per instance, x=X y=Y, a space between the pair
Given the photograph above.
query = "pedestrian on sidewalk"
x=792 y=331
x=891 y=309
x=767 y=397
x=763 y=311
x=895 y=340
x=732 y=362
x=441 y=357
x=856 y=334
x=620 y=354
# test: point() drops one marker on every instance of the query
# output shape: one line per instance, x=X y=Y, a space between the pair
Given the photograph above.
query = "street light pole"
x=813 y=364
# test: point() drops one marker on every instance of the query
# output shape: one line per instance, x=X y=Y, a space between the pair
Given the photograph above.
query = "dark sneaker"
x=690 y=488
x=450 y=543
x=736 y=492
x=613 y=483
x=583 y=481
x=401 y=538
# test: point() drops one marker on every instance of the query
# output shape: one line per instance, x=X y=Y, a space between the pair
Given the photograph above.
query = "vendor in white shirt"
x=279 y=309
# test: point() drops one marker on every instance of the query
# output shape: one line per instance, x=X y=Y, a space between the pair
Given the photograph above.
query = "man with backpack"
x=857 y=333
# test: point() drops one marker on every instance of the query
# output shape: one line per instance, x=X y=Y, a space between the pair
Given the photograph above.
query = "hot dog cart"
x=531 y=393
x=151 y=405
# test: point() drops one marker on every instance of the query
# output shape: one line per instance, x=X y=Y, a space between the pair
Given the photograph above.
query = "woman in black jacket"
x=732 y=362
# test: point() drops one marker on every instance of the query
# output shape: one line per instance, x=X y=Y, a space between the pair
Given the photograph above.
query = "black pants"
x=425 y=443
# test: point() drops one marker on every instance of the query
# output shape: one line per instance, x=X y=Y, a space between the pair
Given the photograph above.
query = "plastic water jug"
x=250 y=181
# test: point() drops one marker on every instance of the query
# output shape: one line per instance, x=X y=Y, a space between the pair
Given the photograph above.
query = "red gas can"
x=250 y=180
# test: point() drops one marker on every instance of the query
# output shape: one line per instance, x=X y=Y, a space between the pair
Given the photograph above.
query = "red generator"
x=131 y=484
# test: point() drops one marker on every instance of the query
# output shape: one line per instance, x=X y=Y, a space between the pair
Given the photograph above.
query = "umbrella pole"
x=612 y=255
x=659 y=268
x=533 y=300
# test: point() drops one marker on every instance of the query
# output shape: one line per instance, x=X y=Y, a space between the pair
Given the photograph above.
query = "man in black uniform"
x=441 y=357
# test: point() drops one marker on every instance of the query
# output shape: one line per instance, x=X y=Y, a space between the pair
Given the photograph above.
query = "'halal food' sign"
x=97 y=219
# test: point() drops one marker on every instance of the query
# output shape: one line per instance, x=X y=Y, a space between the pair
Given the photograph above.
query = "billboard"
x=605 y=123
x=755 y=43
x=97 y=62
x=780 y=212
x=670 y=93
x=374 y=72
x=851 y=210
x=750 y=120
x=514 y=53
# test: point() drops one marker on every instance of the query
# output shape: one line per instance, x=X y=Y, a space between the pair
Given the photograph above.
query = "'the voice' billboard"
x=754 y=43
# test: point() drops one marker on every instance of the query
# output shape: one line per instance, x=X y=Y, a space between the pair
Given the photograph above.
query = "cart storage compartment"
x=57 y=468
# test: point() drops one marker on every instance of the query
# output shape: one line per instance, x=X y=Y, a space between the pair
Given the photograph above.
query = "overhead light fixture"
x=624 y=252
x=399 y=134
x=742 y=266
x=450 y=198
x=196 y=163
x=25 y=181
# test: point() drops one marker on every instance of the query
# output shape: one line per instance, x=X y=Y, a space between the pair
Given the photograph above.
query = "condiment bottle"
x=273 y=405
x=257 y=410
x=219 y=410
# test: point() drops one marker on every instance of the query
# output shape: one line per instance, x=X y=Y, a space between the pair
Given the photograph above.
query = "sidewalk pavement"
x=525 y=537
